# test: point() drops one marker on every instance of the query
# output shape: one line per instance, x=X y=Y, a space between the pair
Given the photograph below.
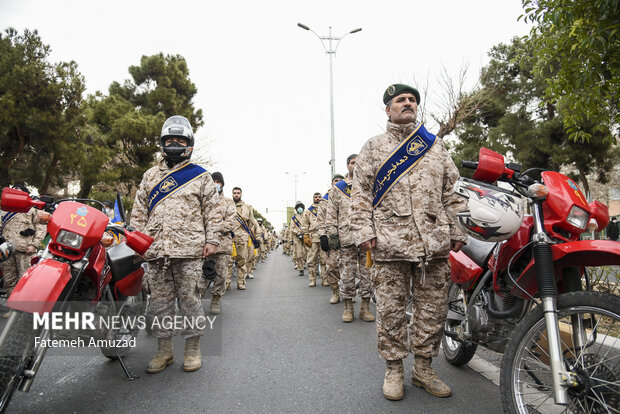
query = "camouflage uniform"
x=308 y=224
x=242 y=242
x=413 y=233
x=223 y=257
x=337 y=221
x=299 y=248
x=19 y=262
x=329 y=266
x=180 y=225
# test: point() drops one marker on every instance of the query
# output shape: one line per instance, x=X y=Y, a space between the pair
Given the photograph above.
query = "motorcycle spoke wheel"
x=594 y=362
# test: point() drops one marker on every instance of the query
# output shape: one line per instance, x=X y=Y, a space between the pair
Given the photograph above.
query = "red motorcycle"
x=517 y=288
x=74 y=273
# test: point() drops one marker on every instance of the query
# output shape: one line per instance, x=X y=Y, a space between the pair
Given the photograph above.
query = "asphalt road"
x=283 y=349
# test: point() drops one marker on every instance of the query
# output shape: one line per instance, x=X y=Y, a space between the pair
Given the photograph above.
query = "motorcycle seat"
x=478 y=251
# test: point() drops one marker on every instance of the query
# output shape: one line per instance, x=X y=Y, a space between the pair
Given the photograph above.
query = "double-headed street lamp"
x=295 y=177
x=331 y=51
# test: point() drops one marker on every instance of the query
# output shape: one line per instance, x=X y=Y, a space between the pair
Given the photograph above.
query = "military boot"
x=393 y=384
x=241 y=284
x=163 y=357
x=215 y=305
x=193 y=359
x=425 y=376
x=312 y=279
x=335 y=294
x=347 y=316
x=228 y=285
x=365 y=313
x=324 y=281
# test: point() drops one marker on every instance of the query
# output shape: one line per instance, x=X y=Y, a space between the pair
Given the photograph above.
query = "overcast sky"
x=263 y=83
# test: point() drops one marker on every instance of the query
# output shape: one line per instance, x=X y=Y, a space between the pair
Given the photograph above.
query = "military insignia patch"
x=167 y=185
x=391 y=90
x=416 y=146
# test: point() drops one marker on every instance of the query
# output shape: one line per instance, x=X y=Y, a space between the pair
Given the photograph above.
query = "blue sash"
x=296 y=222
x=5 y=220
x=313 y=210
x=174 y=181
x=402 y=160
x=244 y=226
x=326 y=196
x=344 y=188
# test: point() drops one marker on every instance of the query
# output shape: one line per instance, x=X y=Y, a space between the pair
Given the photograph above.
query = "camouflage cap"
x=398 y=89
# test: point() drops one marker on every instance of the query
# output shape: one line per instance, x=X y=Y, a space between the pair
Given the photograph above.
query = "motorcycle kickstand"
x=129 y=375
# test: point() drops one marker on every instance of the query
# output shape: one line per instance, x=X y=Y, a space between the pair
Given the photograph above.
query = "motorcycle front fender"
x=578 y=253
x=40 y=287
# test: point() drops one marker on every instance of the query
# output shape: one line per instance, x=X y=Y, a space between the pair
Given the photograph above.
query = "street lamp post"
x=295 y=177
x=331 y=51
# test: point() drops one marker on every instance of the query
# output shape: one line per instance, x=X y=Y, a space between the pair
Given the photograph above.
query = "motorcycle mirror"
x=17 y=201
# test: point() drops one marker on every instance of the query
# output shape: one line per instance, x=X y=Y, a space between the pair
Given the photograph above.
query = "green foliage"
x=576 y=48
x=266 y=222
x=517 y=121
x=40 y=112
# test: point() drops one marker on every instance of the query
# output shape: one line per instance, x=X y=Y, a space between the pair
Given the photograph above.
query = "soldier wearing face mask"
x=223 y=257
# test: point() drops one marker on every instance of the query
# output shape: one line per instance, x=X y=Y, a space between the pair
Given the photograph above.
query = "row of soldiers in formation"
x=320 y=236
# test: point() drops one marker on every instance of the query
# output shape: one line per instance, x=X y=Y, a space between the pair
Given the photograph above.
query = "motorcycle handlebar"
x=469 y=164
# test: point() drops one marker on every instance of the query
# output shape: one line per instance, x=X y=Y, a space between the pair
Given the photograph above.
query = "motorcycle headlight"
x=578 y=217
x=69 y=239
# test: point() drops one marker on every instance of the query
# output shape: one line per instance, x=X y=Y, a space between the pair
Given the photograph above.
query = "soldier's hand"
x=369 y=244
x=456 y=246
x=31 y=249
x=324 y=243
x=209 y=249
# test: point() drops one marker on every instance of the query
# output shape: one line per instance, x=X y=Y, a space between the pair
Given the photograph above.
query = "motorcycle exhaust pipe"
x=29 y=374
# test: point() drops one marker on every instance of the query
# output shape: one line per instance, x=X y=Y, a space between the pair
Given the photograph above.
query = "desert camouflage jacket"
x=415 y=219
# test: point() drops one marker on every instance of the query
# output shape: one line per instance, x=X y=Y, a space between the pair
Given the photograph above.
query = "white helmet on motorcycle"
x=493 y=214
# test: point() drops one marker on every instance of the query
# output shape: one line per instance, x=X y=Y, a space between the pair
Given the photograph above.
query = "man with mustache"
x=401 y=209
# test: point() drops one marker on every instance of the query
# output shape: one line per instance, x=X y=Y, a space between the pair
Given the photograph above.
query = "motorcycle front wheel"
x=15 y=355
x=590 y=335
x=456 y=352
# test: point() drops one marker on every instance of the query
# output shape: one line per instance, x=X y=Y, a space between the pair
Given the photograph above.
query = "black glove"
x=300 y=236
x=208 y=269
x=256 y=244
x=2 y=239
x=27 y=233
x=324 y=243
x=291 y=242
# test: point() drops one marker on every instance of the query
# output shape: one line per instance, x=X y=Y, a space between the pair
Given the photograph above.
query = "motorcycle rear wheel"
x=456 y=352
x=526 y=383
x=15 y=355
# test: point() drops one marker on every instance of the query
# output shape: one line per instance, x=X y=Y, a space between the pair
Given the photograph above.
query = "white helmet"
x=493 y=214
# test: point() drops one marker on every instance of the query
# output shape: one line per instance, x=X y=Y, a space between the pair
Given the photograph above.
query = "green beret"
x=337 y=176
x=398 y=89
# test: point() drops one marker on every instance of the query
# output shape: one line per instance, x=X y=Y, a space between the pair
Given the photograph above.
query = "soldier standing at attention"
x=331 y=272
x=403 y=199
x=244 y=237
x=225 y=235
x=351 y=262
x=297 y=238
x=177 y=204
x=311 y=237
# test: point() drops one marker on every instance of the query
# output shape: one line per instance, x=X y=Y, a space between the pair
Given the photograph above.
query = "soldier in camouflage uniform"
x=311 y=236
x=297 y=237
x=25 y=233
x=225 y=235
x=351 y=262
x=183 y=222
x=242 y=240
x=331 y=274
x=410 y=232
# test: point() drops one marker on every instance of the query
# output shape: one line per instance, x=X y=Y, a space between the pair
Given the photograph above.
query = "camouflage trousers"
x=173 y=280
x=353 y=263
x=242 y=259
x=313 y=259
x=14 y=268
x=392 y=283
x=332 y=271
x=299 y=254
x=221 y=267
